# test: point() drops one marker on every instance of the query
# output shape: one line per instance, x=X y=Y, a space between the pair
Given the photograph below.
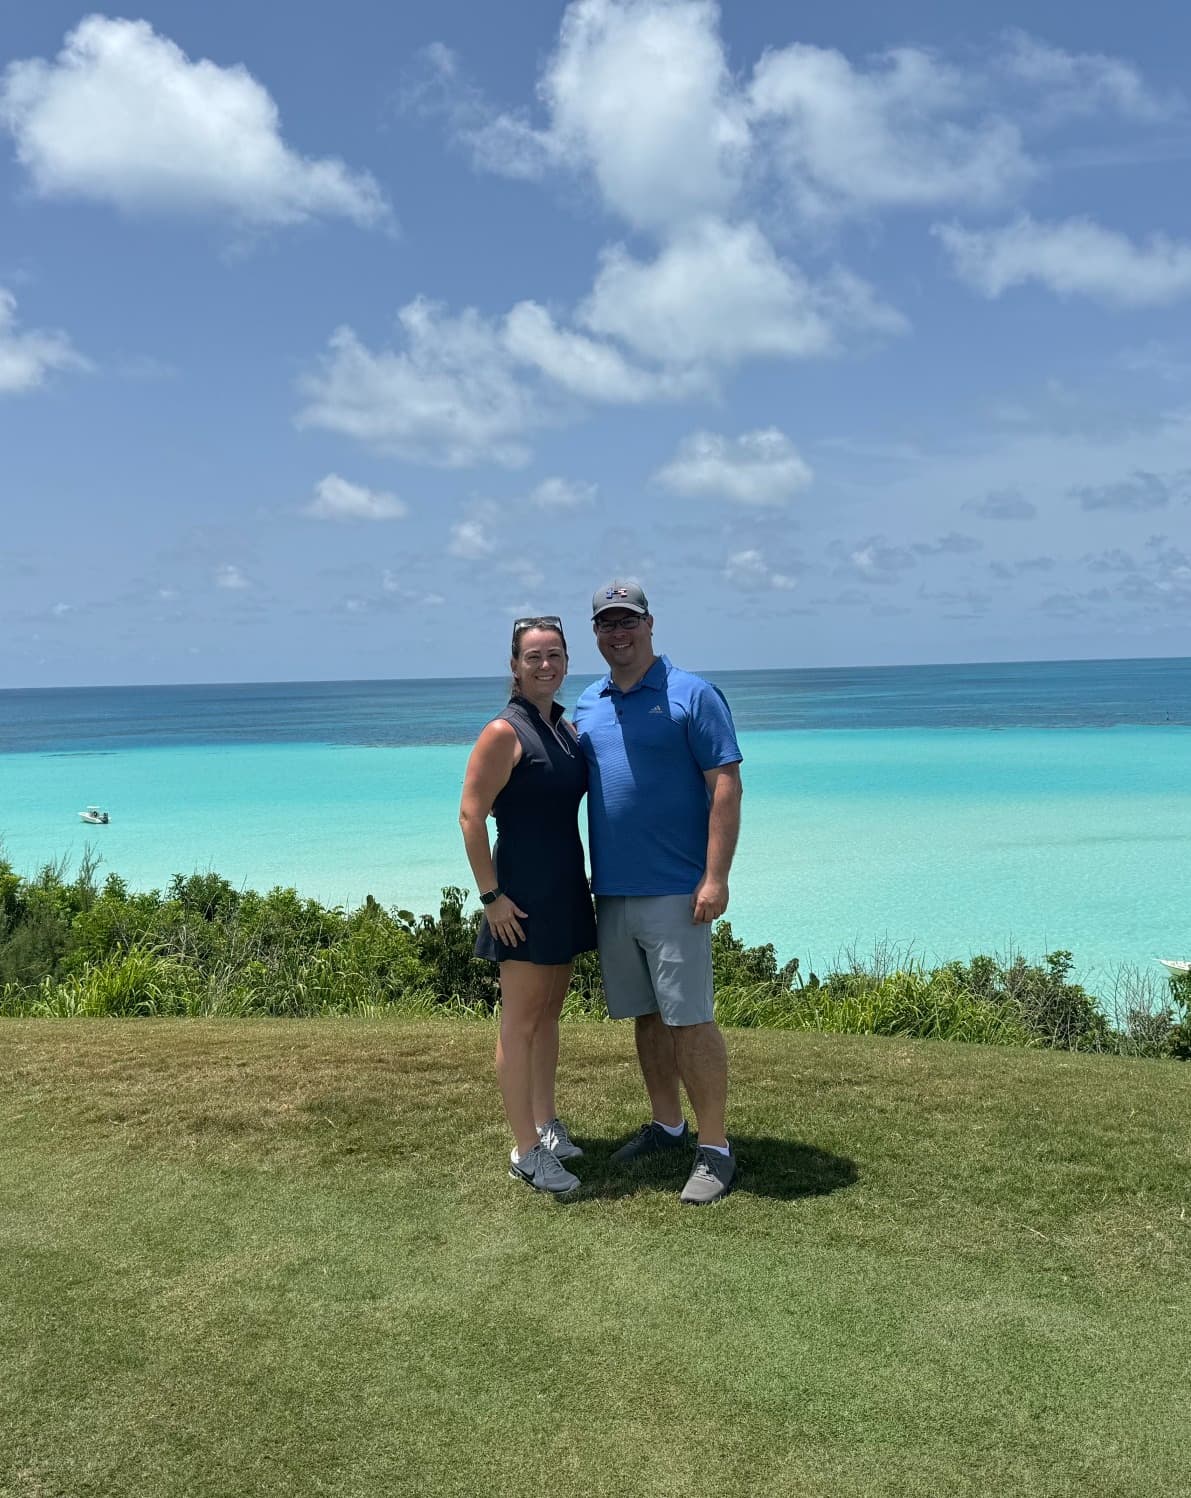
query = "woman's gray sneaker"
x=555 y=1137
x=711 y=1178
x=651 y=1140
x=542 y=1170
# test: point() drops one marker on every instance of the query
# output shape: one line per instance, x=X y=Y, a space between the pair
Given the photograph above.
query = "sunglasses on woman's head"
x=536 y=621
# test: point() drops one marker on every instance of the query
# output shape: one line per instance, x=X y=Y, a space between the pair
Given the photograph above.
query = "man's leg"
x=702 y=1063
x=659 y=1067
x=629 y=992
x=679 y=955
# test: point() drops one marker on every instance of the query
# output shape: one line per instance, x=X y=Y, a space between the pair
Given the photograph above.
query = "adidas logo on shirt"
x=658 y=709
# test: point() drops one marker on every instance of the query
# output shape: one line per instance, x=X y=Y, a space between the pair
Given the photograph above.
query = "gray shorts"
x=654 y=959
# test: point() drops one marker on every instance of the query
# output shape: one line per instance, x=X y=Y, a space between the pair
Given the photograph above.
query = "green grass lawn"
x=280 y=1257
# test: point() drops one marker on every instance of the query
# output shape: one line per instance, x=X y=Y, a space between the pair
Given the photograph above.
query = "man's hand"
x=709 y=901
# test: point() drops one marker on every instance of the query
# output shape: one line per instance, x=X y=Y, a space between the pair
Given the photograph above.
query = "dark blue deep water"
x=1027 y=694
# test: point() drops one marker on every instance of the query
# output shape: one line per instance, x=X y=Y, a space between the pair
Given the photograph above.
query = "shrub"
x=446 y=947
x=68 y=947
x=1179 y=1037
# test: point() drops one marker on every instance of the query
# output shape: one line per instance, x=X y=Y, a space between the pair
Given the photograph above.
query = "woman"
x=527 y=769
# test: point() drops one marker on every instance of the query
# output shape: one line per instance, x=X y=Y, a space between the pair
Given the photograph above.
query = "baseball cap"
x=619 y=595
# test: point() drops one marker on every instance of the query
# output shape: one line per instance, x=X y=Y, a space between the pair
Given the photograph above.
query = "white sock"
x=720 y=1149
x=674 y=1130
x=516 y=1156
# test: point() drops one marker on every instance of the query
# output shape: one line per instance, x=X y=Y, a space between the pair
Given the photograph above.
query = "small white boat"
x=95 y=816
x=1176 y=964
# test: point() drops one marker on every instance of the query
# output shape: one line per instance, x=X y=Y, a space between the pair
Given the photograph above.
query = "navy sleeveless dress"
x=538 y=854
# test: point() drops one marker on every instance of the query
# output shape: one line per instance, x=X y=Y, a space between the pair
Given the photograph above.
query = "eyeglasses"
x=538 y=621
x=608 y=626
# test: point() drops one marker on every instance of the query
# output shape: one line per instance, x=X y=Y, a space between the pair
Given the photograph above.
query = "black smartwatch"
x=488 y=898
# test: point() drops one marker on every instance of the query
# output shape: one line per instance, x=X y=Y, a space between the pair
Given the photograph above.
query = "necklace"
x=559 y=738
x=567 y=749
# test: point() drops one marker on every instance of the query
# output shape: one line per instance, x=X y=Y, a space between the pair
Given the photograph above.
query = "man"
x=663 y=815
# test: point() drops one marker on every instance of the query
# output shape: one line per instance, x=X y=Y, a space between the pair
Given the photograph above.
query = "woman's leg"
x=545 y=1045
x=526 y=989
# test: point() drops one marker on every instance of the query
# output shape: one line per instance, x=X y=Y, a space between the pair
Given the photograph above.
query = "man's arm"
x=710 y=899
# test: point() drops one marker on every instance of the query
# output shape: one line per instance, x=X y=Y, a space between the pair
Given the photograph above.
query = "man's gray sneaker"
x=651 y=1140
x=555 y=1137
x=711 y=1178
x=542 y=1170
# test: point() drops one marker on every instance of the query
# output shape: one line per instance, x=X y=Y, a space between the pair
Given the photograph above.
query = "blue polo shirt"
x=647 y=801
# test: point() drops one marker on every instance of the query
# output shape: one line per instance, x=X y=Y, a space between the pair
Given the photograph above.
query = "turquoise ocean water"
x=952 y=809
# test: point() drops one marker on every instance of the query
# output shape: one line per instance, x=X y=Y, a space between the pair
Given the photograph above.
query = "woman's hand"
x=502 y=920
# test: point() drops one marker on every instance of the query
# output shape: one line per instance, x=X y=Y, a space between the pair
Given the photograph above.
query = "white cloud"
x=470 y=541
x=26 y=358
x=873 y=560
x=451 y=397
x=760 y=468
x=229 y=576
x=467 y=389
x=1074 y=257
x=953 y=544
x=562 y=494
x=638 y=92
x=1139 y=492
x=1003 y=504
x=123 y=116
x=1161 y=585
x=404 y=588
x=581 y=365
x=337 y=499
x=718 y=292
x=1081 y=83
x=505 y=144
x=750 y=571
x=527 y=573
x=847 y=140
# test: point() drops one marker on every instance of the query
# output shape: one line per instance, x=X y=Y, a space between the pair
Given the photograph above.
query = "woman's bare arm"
x=492 y=761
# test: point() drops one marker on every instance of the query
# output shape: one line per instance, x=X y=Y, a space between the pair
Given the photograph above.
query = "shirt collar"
x=654 y=679
x=556 y=708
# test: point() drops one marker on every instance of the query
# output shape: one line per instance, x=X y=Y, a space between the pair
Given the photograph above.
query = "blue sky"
x=858 y=334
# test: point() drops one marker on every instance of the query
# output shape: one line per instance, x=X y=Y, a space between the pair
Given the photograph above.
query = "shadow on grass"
x=780 y=1169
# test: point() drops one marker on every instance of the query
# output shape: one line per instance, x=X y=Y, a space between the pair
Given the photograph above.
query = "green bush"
x=446 y=947
x=68 y=947
x=1054 y=1011
x=1178 y=1039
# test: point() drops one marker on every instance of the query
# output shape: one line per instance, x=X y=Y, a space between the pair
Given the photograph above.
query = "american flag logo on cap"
x=616 y=593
